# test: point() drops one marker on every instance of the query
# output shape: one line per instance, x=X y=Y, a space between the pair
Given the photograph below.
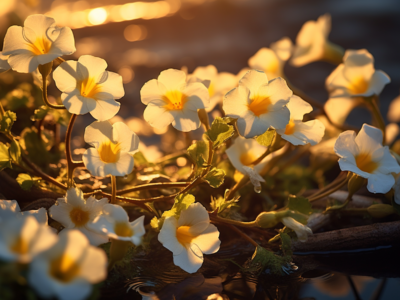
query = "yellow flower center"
x=259 y=105
x=183 y=235
x=247 y=158
x=365 y=163
x=211 y=89
x=123 y=229
x=40 y=46
x=109 y=152
x=289 y=128
x=79 y=217
x=175 y=100
x=20 y=246
x=358 y=85
x=88 y=87
x=64 y=268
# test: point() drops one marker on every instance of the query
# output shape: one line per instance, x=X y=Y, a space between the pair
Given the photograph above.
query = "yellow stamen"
x=259 y=105
x=175 y=100
x=247 y=158
x=79 y=217
x=183 y=235
x=40 y=46
x=123 y=229
x=88 y=87
x=64 y=268
x=20 y=246
x=365 y=163
x=109 y=151
x=358 y=85
x=289 y=128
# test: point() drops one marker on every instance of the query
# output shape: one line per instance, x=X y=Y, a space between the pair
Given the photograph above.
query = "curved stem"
x=245 y=179
x=341 y=177
x=216 y=218
x=373 y=105
x=113 y=189
x=71 y=165
x=44 y=95
x=327 y=193
x=153 y=186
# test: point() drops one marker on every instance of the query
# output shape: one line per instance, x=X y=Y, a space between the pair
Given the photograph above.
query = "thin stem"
x=153 y=186
x=41 y=174
x=327 y=193
x=373 y=104
x=113 y=189
x=245 y=236
x=44 y=95
x=301 y=152
x=171 y=157
x=237 y=186
x=333 y=183
x=353 y=288
x=2 y=112
x=214 y=217
x=71 y=165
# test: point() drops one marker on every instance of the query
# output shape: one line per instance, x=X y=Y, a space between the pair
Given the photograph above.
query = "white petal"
x=95 y=238
x=65 y=76
x=235 y=103
x=65 y=42
x=369 y=139
x=278 y=92
x=93 y=163
x=172 y=79
x=394 y=110
x=105 y=107
x=113 y=85
x=150 y=91
x=185 y=120
x=98 y=132
x=283 y=48
x=253 y=80
x=338 y=109
x=115 y=213
x=122 y=167
x=92 y=66
x=195 y=216
x=39 y=23
x=167 y=236
x=75 y=103
x=346 y=146
x=198 y=96
x=277 y=119
x=24 y=62
x=40 y=215
x=157 y=116
x=378 y=81
x=189 y=260
x=60 y=213
x=387 y=163
x=380 y=183
x=298 y=108
x=94 y=265
x=128 y=139
x=208 y=240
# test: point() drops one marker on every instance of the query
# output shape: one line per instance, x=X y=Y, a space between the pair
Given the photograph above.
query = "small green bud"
x=271 y=219
x=380 y=210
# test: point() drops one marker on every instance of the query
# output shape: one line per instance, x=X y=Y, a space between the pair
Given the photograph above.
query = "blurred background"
x=140 y=39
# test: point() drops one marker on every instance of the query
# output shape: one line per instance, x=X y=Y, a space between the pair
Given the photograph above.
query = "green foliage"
x=219 y=132
x=25 y=181
x=181 y=203
x=228 y=168
x=198 y=153
x=215 y=177
x=286 y=243
x=266 y=138
x=263 y=258
x=18 y=98
x=59 y=116
x=5 y=160
x=15 y=151
x=40 y=113
x=139 y=159
x=300 y=205
x=220 y=203
x=34 y=146
x=7 y=121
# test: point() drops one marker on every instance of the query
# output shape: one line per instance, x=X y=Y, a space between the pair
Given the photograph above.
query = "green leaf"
x=198 y=153
x=35 y=147
x=266 y=138
x=181 y=203
x=139 y=159
x=286 y=243
x=219 y=132
x=25 y=181
x=215 y=177
x=15 y=151
x=263 y=258
x=40 y=113
x=300 y=204
x=5 y=160
x=221 y=204
x=7 y=121
x=228 y=168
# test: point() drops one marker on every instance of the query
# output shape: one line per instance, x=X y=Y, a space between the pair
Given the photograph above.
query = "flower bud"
x=380 y=210
x=203 y=116
x=270 y=219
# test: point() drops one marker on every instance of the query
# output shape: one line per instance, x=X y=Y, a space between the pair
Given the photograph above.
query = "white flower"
x=74 y=211
x=356 y=76
x=115 y=224
x=170 y=99
x=218 y=84
x=298 y=132
x=114 y=146
x=258 y=104
x=272 y=60
x=37 y=43
x=189 y=237
x=243 y=152
x=302 y=231
x=312 y=43
x=88 y=87
x=394 y=110
x=69 y=268
x=365 y=156
x=338 y=109
x=21 y=239
x=4 y=66
x=9 y=209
